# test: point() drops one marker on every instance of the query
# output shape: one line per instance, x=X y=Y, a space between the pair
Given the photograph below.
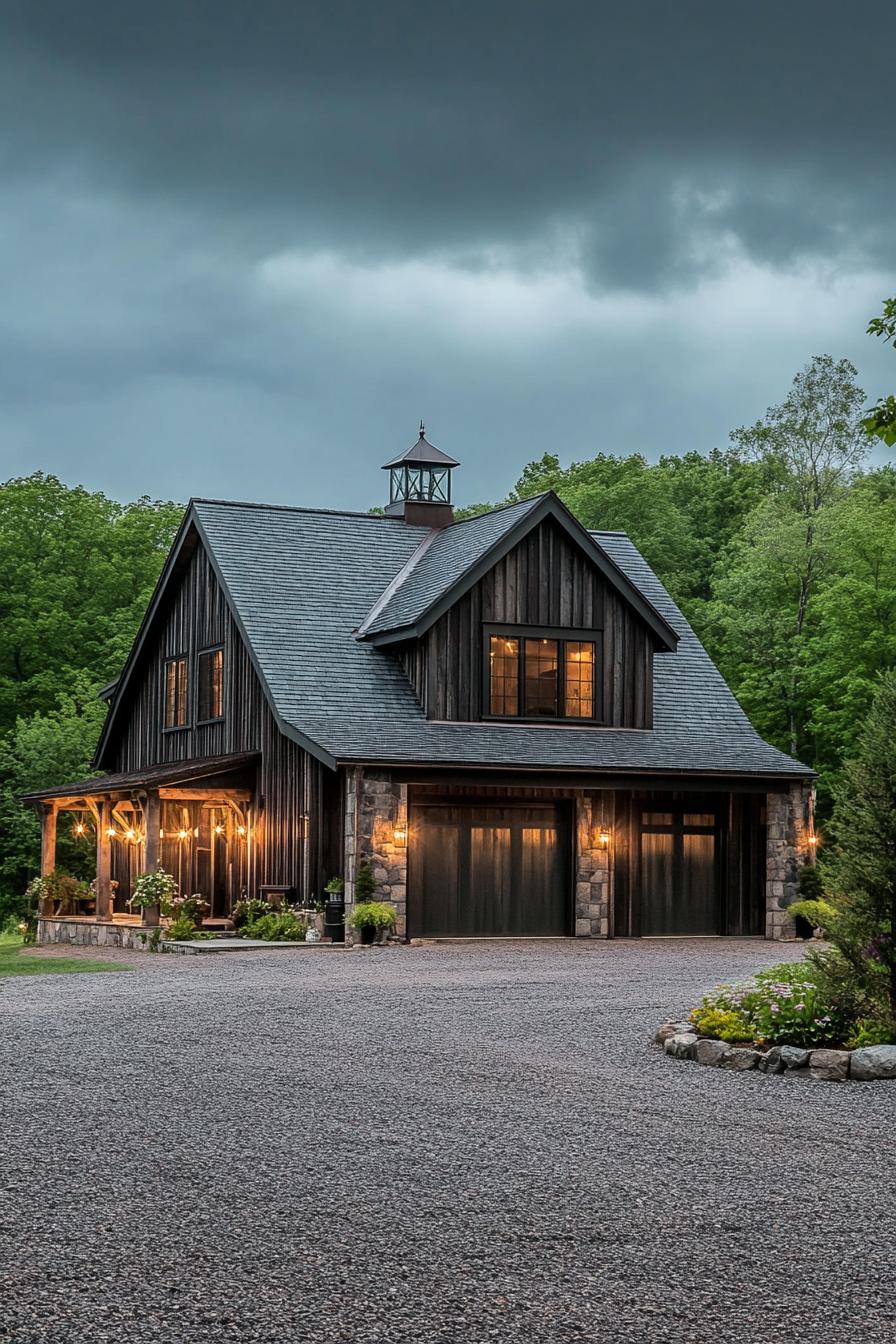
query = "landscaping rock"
x=873 y=1061
x=740 y=1059
x=711 y=1051
x=671 y=1029
x=681 y=1046
x=771 y=1061
x=830 y=1066
x=793 y=1057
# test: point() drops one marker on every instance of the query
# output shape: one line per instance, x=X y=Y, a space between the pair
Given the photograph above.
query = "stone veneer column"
x=789 y=823
x=593 y=867
x=374 y=806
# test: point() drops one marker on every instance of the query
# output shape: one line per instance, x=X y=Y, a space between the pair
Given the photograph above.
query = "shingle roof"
x=439 y=561
x=302 y=581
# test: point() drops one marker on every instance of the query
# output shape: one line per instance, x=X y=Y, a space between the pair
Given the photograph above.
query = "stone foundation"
x=789 y=824
x=89 y=933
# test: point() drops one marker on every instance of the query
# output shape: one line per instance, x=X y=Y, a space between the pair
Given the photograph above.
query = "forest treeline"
x=780 y=548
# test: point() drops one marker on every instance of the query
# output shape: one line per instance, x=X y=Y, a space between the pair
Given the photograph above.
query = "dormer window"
x=541 y=674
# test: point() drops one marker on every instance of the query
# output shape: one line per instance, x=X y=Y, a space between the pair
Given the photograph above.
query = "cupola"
x=420 y=484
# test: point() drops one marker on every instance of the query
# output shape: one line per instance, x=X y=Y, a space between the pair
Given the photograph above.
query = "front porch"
x=197 y=821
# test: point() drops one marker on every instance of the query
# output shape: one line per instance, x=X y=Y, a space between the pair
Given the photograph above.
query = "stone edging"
x=871 y=1062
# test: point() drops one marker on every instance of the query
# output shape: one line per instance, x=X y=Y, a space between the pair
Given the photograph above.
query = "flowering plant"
x=185 y=907
x=782 y=1005
x=154 y=889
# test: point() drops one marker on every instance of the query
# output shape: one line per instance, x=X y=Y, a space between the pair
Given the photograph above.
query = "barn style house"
x=507 y=715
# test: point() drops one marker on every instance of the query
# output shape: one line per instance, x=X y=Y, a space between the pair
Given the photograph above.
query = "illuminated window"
x=504 y=674
x=578 y=702
x=211 y=685
x=176 y=693
x=541 y=677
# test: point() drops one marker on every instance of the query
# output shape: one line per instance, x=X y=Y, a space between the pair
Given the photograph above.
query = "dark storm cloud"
x=232 y=232
x=396 y=126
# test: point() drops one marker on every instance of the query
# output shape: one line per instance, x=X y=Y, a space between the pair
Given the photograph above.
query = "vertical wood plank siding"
x=546 y=581
x=289 y=782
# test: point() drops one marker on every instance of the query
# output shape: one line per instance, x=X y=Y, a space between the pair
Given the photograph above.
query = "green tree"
x=760 y=620
x=38 y=752
x=880 y=423
x=860 y=873
x=76 y=572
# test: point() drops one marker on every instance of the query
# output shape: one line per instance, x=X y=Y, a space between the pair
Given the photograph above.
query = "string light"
x=131 y=834
x=241 y=830
x=182 y=835
x=219 y=829
x=80 y=828
x=111 y=833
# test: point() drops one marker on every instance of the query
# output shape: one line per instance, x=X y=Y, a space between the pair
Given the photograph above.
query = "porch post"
x=152 y=821
x=48 y=814
x=103 y=861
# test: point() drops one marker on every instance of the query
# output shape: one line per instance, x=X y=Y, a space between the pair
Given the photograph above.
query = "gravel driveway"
x=449 y=1143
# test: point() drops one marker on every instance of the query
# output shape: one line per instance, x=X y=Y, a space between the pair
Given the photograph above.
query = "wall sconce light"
x=813 y=840
x=603 y=838
x=400 y=836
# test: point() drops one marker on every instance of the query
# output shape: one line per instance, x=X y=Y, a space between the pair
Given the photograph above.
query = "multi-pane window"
x=176 y=693
x=504 y=673
x=541 y=677
x=578 y=702
x=211 y=685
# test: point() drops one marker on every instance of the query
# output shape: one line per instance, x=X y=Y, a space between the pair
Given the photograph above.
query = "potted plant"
x=372 y=919
x=334 y=888
x=154 y=891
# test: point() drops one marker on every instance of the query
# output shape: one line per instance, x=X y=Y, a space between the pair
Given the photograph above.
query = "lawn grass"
x=14 y=962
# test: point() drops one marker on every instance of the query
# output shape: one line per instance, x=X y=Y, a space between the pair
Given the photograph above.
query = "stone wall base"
x=88 y=933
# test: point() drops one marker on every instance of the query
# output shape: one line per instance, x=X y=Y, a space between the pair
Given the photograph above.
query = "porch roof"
x=154 y=776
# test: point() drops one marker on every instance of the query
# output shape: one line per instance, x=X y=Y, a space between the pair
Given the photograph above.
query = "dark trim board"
x=573 y=779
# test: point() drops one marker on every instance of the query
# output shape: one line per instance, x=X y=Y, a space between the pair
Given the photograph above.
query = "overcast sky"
x=246 y=246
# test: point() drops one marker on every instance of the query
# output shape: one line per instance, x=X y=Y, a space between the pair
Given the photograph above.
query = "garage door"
x=679 y=871
x=489 y=871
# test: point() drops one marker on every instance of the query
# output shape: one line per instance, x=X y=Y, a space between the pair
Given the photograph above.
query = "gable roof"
x=450 y=561
x=300 y=583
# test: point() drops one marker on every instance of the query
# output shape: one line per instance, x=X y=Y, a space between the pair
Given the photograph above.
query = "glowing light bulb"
x=241 y=830
x=219 y=829
x=111 y=832
x=80 y=828
x=131 y=834
x=182 y=835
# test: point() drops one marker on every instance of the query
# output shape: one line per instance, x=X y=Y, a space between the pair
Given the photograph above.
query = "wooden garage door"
x=679 y=871
x=478 y=871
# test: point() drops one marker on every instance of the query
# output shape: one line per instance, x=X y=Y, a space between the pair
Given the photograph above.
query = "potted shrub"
x=334 y=888
x=154 y=892
x=372 y=919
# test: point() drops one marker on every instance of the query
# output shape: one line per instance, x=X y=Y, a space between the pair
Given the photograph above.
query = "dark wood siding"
x=289 y=783
x=544 y=581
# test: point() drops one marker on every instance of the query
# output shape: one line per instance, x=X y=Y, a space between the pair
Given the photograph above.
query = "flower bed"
x=802 y=1016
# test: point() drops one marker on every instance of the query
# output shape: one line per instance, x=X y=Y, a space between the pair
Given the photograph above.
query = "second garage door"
x=477 y=871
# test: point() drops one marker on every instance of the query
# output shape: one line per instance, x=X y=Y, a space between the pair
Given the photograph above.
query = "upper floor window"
x=176 y=693
x=211 y=685
x=541 y=676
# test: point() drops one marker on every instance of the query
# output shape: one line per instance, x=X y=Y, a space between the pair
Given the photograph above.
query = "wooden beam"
x=49 y=813
x=176 y=792
x=152 y=821
x=103 y=862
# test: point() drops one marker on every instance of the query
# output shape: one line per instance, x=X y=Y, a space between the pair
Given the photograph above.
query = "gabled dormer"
x=520 y=616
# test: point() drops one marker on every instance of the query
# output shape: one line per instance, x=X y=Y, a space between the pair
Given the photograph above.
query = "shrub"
x=365 y=886
x=250 y=908
x=724 y=1023
x=182 y=929
x=871 y=1031
x=335 y=886
x=277 y=926
x=819 y=913
x=377 y=915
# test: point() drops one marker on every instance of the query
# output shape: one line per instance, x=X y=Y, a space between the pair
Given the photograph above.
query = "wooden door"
x=489 y=871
